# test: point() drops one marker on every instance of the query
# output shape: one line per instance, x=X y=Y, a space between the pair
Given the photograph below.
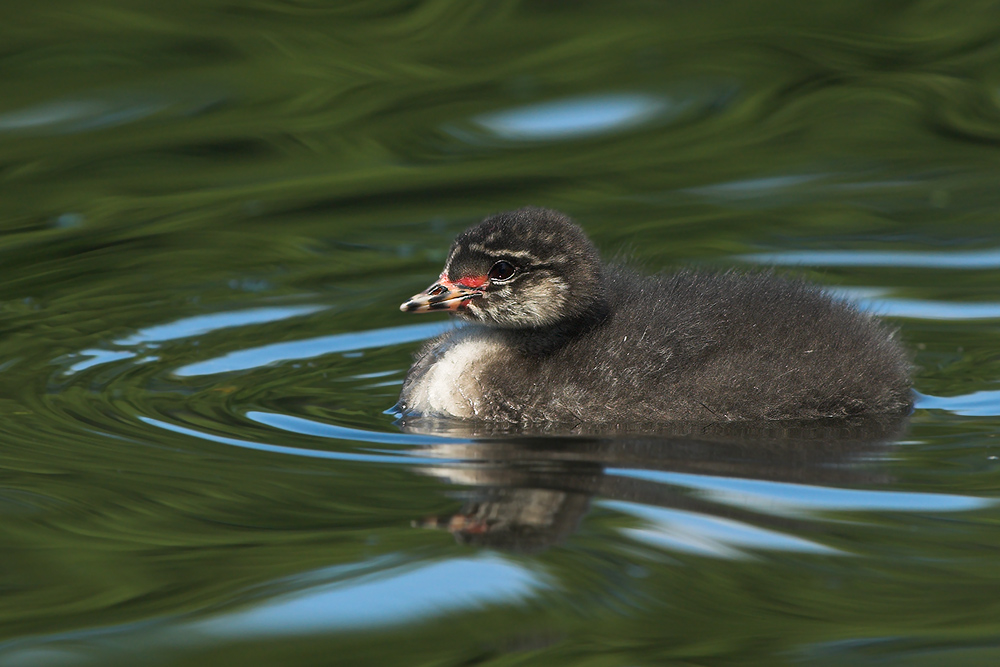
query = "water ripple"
x=921 y=309
x=303 y=426
x=691 y=532
x=104 y=109
x=309 y=348
x=789 y=499
x=277 y=449
x=977 y=404
x=581 y=116
x=200 y=325
x=988 y=258
x=187 y=327
x=431 y=589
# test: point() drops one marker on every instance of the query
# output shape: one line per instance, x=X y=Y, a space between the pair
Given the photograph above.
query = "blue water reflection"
x=988 y=258
x=919 y=309
x=96 y=357
x=309 y=348
x=282 y=449
x=705 y=535
x=200 y=325
x=420 y=594
x=581 y=116
x=977 y=404
x=424 y=592
x=304 y=426
x=186 y=327
x=790 y=499
x=879 y=302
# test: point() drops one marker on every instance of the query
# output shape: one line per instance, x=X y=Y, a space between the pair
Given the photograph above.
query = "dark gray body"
x=686 y=346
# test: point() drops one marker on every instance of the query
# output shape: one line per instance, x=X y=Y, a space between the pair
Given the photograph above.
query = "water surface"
x=211 y=212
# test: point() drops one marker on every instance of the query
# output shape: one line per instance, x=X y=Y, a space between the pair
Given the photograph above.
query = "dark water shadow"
x=528 y=489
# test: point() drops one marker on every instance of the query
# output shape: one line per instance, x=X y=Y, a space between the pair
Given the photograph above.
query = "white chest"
x=453 y=385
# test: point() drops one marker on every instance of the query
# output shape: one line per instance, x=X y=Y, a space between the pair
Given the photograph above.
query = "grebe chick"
x=554 y=335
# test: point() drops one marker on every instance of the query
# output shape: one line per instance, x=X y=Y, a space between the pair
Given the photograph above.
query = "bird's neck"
x=543 y=341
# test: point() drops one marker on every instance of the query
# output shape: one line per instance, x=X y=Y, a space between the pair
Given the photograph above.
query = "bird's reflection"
x=529 y=489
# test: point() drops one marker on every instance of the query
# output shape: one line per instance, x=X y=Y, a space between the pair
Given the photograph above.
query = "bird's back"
x=708 y=346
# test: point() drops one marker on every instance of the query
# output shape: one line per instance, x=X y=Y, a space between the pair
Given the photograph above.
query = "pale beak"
x=442 y=295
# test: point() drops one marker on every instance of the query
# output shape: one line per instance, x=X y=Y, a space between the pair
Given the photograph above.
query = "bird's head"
x=528 y=268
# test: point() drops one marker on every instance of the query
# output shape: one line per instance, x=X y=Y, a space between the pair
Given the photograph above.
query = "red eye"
x=501 y=271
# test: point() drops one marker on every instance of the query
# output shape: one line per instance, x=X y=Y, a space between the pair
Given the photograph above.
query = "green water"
x=210 y=211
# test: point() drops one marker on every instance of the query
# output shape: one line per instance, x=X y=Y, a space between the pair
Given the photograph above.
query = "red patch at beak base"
x=446 y=295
